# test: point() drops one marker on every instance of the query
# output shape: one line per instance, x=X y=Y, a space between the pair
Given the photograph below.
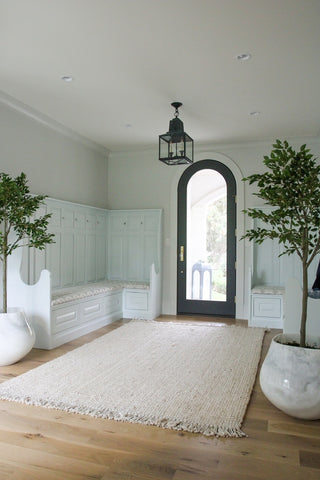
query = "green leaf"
x=291 y=185
x=17 y=209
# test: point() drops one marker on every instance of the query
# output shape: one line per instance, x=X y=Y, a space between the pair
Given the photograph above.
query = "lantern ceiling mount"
x=176 y=105
x=176 y=146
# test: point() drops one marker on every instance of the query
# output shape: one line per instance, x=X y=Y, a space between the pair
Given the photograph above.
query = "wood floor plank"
x=310 y=459
x=45 y=444
x=189 y=475
x=57 y=433
x=14 y=472
x=31 y=457
x=260 y=470
x=297 y=428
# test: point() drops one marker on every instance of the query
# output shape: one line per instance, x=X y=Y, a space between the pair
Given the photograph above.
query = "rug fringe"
x=209 y=431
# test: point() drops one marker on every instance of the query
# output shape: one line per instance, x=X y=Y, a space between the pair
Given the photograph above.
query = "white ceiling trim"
x=50 y=123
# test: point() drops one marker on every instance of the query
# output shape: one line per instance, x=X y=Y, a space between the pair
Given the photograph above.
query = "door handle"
x=181 y=253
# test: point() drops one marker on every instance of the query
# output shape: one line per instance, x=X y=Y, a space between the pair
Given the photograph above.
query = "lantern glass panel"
x=175 y=148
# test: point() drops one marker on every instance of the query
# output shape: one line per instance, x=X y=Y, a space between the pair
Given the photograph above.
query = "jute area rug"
x=173 y=375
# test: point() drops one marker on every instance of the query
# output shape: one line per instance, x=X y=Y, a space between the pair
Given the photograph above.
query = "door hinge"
x=235 y=265
x=235 y=299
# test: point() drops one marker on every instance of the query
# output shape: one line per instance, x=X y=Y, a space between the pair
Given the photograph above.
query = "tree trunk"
x=4 y=285
x=304 y=304
x=5 y=270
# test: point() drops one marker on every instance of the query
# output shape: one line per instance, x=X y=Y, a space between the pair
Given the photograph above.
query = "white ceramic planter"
x=290 y=377
x=16 y=337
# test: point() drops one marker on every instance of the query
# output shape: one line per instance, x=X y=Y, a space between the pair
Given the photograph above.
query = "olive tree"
x=17 y=209
x=291 y=185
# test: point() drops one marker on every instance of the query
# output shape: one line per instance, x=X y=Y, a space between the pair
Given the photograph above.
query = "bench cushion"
x=65 y=295
x=268 y=290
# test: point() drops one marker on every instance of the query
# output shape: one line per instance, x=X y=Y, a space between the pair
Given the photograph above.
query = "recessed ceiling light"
x=67 y=78
x=244 y=56
x=255 y=113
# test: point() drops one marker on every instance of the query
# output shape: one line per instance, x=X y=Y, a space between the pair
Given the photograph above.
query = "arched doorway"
x=206 y=266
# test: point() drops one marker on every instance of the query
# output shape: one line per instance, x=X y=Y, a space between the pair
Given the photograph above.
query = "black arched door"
x=206 y=264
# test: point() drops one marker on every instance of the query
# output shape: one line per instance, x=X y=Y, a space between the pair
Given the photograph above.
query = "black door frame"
x=203 y=307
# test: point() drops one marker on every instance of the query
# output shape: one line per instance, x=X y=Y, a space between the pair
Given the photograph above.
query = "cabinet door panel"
x=134 y=249
x=134 y=244
x=67 y=218
x=90 y=221
x=79 y=220
x=55 y=219
x=117 y=222
x=134 y=222
x=67 y=250
x=79 y=258
x=100 y=257
x=150 y=247
x=150 y=222
x=90 y=258
x=116 y=257
x=101 y=222
x=53 y=260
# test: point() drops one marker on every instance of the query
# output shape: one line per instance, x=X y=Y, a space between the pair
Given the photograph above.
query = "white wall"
x=57 y=162
x=139 y=180
x=64 y=166
x=58 y=165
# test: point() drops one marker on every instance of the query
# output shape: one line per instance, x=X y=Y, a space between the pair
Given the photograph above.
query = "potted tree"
x=291 y=186
x=18 y=227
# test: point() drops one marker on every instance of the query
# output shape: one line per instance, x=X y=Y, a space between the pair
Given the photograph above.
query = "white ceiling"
x=131 y=58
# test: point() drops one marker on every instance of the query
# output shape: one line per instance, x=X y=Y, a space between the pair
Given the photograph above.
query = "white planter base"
x=290 y=377
x=16 y=337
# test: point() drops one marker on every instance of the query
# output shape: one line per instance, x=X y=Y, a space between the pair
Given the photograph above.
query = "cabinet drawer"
x=64 y=318
x=136 y=300
x=266 y=306
x=92 y=309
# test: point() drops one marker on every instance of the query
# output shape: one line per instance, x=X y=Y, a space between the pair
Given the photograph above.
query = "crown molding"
x=50 y=123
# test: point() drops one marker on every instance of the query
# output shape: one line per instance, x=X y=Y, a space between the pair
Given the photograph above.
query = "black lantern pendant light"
x=175 y=146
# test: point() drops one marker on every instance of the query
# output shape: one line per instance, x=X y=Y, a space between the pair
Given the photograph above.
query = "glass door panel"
x=206 y=267
x=206 y=236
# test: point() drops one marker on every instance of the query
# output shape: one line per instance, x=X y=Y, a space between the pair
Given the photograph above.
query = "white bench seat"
x=266 y=305
x=59 y=316
x=268 y=290
x=70 y=294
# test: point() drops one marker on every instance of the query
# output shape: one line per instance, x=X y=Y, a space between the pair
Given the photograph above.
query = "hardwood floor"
x=41 y=444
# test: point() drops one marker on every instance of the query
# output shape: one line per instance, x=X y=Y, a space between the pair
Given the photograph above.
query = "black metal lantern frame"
x=176 y=146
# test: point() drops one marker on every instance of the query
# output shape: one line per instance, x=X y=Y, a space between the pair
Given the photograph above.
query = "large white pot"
x=16 y=337
x=290 y=377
